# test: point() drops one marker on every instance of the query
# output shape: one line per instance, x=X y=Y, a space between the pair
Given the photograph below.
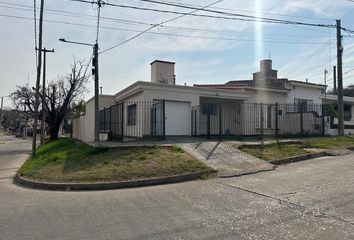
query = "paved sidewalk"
x=224 y=157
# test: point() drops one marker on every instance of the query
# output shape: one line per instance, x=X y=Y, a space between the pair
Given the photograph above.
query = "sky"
x=206 y=50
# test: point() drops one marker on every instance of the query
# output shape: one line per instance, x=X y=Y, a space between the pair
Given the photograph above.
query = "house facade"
x=265 y=105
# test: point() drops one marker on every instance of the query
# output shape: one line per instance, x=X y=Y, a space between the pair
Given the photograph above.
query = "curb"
x=23 y=182
x=298 y=158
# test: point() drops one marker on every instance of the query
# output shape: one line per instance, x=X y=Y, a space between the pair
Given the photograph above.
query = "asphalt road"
x=306 y=200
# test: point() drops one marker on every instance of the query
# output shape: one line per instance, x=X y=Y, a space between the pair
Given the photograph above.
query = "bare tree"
x=60 y=94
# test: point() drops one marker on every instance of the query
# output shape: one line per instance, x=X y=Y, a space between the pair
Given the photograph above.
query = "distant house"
x=159 y=108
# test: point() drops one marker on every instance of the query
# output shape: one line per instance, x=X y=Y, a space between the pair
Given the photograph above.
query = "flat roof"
x=161 y=61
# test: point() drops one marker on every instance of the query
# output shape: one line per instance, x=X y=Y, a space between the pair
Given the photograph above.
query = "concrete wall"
x=84 y=126
x=259 y=96
x=306 y=93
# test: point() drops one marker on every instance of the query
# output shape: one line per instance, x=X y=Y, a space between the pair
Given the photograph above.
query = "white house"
x=135 y=115
x=264 y=105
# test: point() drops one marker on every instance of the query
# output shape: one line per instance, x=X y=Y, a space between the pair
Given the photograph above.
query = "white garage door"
x=177 y=118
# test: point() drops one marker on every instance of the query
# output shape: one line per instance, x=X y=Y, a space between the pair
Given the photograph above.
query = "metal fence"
x=134 y=120
x=258 y=120
x=146 y=120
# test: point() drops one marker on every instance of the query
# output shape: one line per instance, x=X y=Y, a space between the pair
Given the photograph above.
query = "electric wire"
x=167 y=34
x=240 y=17
x=156 y=25
x=324 y=45
x=248 y=11
x=130 y=22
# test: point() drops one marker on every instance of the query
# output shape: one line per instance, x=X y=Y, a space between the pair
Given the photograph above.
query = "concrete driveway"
x=305 y=200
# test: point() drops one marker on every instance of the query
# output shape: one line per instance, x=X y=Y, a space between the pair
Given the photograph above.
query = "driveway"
x=305 y=200
x=226 y=158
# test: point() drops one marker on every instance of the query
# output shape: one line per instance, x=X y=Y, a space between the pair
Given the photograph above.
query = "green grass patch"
x=331 y=142
x=67 y=160
x=276 y=151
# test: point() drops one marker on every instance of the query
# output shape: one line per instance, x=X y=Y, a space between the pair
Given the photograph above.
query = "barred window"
x=209 y=108
x=132 y=114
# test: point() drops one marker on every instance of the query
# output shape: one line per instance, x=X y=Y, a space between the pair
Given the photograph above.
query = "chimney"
x=163 y=72
x=266 y=71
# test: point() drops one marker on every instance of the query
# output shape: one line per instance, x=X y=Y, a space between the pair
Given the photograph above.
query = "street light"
x=95 y=63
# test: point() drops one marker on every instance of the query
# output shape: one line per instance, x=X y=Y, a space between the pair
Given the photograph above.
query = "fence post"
x=110 y=120
x=220 y=121
x=164 y=118
x=262 y=126
x=276 y=120
x=323 y=119
x=196 y=115
x=104 y=120
x=302 y=119
x=122 y=120
x=208 y=120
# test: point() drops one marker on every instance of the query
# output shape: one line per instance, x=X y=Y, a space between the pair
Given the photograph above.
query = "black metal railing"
x=147 y=120
x=258 y=120
x=133 y=120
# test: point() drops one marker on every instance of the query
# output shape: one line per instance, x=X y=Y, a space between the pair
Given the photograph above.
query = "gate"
x=134 y=120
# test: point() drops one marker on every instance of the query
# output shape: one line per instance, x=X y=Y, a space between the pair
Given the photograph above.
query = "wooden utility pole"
x=340 y=79
x=97 y=97
x=39 y=64
x=2 y=102
x=335 y=79
x=45 y=51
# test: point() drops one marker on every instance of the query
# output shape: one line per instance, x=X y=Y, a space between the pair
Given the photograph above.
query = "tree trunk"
x=54 y=131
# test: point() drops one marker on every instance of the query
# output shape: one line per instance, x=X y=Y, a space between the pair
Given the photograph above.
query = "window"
x=347 y=112
x=209 y=108
x=306 y=105
x=132 y=114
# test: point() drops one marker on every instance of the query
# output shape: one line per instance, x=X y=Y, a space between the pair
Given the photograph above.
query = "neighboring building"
x=332 y=121
x=264 y=105
x=266 y=87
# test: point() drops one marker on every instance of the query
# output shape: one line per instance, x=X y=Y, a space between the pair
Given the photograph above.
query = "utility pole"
x=340 y=79
x=335 y=79
x=95 y=73
x=97 y=97
x=39 y=64
x=325 y=82
x=2 y=102
x=45 y=51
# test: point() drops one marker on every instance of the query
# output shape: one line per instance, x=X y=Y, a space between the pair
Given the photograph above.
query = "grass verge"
x=276 y=151
x=70 y=161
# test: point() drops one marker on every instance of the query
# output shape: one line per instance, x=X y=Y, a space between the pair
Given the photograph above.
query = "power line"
x=239 y=17
x=264 y=13
x=348 y=72
x=325 y=44
x=156 y=25
x=129 y=22
x=311 y=69
x=224 y=13
x=165 y=34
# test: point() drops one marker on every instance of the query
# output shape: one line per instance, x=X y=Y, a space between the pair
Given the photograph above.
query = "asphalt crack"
x=291 y=205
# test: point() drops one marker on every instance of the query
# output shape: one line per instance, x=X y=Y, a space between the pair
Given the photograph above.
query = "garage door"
x=177 y=118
